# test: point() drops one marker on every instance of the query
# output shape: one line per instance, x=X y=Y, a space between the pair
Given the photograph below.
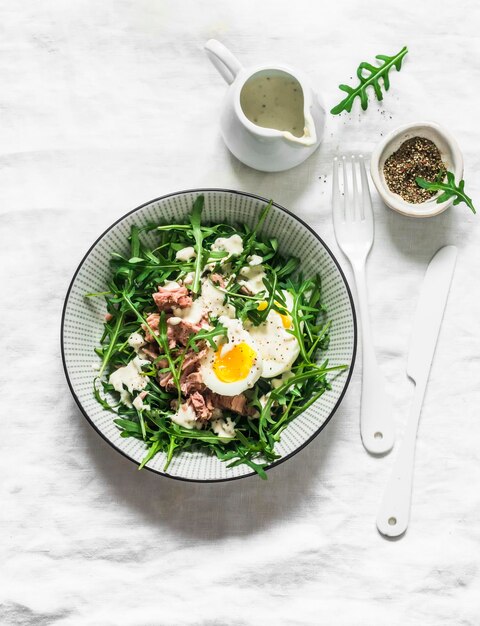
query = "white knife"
x=394 y=513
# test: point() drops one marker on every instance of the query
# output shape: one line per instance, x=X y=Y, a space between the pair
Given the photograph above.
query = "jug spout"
x=226 y=63
x=309 y=137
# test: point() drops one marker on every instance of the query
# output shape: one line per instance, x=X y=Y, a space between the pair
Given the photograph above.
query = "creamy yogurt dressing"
x=131 y=377
x=185 y=416
x=210 y=301
x=136 y=341
x=223 y=427
x=254 y=259
x=171 y=284
x=233 y=245
x=274 y=101
x=139 y=404
x=252 y=277
x=264 y=399
x=278 y=382
x=185 y=254
x=188 y=278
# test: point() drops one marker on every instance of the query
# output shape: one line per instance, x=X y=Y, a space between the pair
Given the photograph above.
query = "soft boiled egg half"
x=236 y=365
x=277 y=347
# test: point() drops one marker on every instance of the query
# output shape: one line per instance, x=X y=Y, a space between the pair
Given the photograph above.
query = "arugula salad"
x=212 y=341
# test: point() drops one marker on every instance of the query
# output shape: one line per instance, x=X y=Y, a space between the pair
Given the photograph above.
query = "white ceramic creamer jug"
x=271 y=119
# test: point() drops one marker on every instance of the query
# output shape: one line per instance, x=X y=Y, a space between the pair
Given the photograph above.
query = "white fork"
x=354 y=230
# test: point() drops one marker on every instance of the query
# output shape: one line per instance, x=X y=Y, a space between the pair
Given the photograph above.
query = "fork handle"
x=376 y=419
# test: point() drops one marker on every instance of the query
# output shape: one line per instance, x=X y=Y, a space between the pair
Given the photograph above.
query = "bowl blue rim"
x=350 y=369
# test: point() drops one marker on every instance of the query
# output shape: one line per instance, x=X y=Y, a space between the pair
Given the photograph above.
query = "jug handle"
x=224 y=61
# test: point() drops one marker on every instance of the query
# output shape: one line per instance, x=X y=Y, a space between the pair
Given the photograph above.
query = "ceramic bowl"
x=82 y=321
x=451 y=156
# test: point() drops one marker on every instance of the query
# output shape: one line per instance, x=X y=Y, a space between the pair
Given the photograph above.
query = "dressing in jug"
x=271 y=119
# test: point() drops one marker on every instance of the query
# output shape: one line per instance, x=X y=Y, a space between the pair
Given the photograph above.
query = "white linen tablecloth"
x=105 y=105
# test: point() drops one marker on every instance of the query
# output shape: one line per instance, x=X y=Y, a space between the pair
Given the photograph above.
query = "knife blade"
x=394 y=513
x=429 y=313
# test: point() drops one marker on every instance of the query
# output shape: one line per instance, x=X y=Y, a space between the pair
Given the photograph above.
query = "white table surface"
x=105 y=105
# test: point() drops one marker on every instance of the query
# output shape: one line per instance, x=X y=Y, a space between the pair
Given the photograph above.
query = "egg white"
x=277 y=347
x=236 y=334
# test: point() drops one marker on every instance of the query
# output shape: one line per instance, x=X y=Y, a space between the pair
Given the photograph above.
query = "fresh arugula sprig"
x=314 y=379
x=250 y=240
x=113 y=330
x=370 y=79
x=195 y=221
x=449 y=189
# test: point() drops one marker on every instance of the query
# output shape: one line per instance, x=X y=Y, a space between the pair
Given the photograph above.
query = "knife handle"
x=394 y=512
x=376 y=418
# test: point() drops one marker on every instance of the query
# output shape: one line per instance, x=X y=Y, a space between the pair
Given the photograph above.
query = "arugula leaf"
x=113 y=336
x=130 y=426
x=449 y=188
x=96 y=392
x=250 y=239
x=156 y=446
x=164 y=343
x=371 y=79
x=195 y=221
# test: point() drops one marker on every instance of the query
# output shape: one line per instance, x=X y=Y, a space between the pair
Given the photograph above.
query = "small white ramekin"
x=451 y=155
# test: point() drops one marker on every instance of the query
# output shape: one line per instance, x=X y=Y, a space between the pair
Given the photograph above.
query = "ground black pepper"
x=415 y=157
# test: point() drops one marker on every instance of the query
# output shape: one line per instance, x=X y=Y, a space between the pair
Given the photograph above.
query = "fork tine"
x=356 y=198
x=337 y=204
x=366 y=197
x=346 y=197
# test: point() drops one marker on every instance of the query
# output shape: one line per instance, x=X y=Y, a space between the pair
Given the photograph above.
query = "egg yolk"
x=286 y=319
x=234 y=364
